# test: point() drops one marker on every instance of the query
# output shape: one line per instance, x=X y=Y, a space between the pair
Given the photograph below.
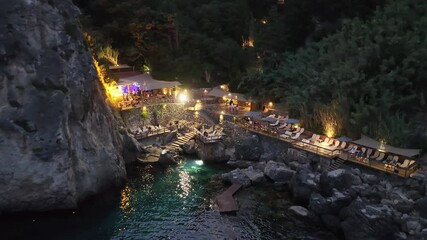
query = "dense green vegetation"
x=200 y=41
x=341 y=66
x=368 y=77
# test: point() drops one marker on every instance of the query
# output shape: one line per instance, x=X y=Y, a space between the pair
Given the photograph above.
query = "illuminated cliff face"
x=59 y=141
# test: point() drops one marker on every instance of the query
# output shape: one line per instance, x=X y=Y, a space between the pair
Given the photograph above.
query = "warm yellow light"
x=270 y=104
x=144 y=108
x=183 y=97
x=205 y=91
x=296 y=125
x=229 y=94
x=198 y=101
x=330 y=130
x=222 y=112
x=264 y=21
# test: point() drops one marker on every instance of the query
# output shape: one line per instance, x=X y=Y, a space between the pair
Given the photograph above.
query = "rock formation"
x=59 y=141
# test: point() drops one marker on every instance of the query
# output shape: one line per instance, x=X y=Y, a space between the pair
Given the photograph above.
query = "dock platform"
x=225 y=201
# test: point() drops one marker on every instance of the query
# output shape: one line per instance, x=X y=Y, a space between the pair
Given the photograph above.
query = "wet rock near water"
x=278 y=172
x=212 y=152
x=304 y=215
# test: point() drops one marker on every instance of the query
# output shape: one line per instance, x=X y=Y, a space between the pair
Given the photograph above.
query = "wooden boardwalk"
x=225 y=201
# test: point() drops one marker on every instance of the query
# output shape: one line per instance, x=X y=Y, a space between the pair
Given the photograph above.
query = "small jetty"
x=225 y=201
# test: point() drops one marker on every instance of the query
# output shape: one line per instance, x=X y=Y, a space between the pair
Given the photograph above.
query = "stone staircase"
x=336 y=163
x=182 y=140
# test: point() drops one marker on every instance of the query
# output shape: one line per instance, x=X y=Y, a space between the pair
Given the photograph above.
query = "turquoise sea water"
x=172 y=203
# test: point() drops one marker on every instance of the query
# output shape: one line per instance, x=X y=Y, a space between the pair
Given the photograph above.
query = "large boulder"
x=189 y=147
x=362 y=220
x=331 y=205
x=170 y=137
x=339 y=179
x=255 y=175
x=303 y=214
x=421 y=206
x=236 y=176
x=303 y=184
x=132 y=149
x=248 y=148
x=212 y=152
x=168 y=158
x=278 y=172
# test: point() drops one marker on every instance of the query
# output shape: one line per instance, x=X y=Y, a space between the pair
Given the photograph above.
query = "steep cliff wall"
x=58 y=138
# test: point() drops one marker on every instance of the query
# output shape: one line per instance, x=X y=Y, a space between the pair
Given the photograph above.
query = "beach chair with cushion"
x=380 y=157
x=375 y=155
x=275 y=124
x=337 y=144
x=368 y=152
x=349 y=147
x=405 y=163
x=296 y=135
x=313 y=138
x=285 y=125
x=342 y=146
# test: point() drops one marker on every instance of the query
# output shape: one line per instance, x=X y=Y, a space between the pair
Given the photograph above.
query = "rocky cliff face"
x=58 y=137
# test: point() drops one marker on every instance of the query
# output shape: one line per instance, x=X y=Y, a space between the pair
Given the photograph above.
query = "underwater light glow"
x=199 y=162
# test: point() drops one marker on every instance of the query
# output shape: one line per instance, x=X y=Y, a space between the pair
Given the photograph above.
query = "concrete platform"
x=226 y=202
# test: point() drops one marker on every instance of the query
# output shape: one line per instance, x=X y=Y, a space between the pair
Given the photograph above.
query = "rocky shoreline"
x=350 y=202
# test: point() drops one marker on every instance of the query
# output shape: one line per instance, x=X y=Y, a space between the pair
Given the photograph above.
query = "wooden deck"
x=225 y=201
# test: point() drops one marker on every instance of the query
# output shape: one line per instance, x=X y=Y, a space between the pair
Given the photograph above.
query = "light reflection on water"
x=173 y=203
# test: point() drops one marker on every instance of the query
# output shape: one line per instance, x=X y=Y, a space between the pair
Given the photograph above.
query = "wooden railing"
x=209 y=139
x=299 y=143
x=385 y=167
x=152 y=132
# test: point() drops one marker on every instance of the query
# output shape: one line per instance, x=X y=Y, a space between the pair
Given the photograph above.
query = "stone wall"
x=161 y=114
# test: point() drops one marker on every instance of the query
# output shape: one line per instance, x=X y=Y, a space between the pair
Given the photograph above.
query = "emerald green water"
x=172 y=203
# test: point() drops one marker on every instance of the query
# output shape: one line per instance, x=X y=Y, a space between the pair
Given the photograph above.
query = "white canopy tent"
x=218 y=92
x=147 y=82
x=369 y=142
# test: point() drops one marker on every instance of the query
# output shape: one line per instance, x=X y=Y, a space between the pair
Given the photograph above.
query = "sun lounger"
x=405 y=163
x=342 y=145
x=368 y=152
x=375 y=155
x=337 y=144
x=349 y=147
x=296 y=135
x=313 y=137
x=380 y=157
x=285 y=125
x=275 y=124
